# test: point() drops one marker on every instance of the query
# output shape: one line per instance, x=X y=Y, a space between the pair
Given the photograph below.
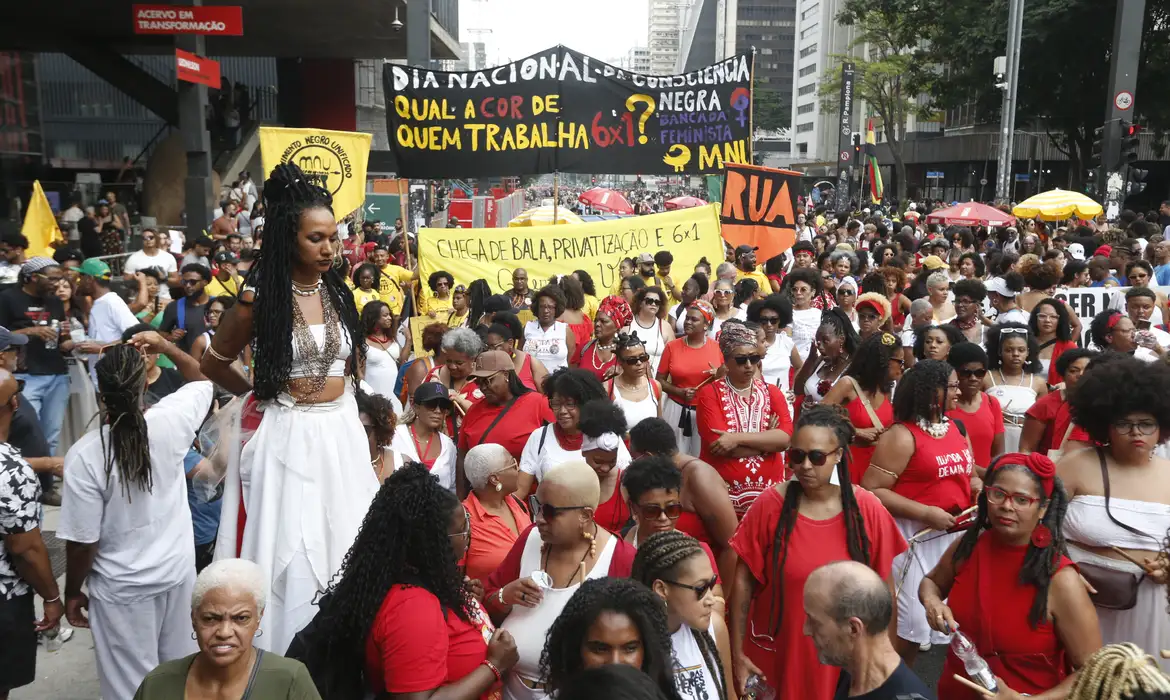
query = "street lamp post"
x=1007 y=120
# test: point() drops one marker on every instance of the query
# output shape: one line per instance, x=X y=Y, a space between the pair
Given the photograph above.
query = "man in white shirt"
x=109 y=316
x=69 y=219
x=124 y=518
x=1140 y=305
x=152 y=256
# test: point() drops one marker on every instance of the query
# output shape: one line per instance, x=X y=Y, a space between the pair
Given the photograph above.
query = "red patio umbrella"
x=606 y=200
x=970 y=214
x=684 y=203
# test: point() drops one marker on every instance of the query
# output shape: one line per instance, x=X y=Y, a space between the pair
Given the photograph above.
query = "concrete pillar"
x=200 y=199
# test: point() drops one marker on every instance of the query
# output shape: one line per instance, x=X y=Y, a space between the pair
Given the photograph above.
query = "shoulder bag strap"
x=543 y=436
x=1071 y=424
x=499 y=416
x=1105 y=486
x=252 y=678
x=865 y=402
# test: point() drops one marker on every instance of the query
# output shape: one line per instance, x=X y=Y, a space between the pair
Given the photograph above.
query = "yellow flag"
x=335 y=159
x=40 y=226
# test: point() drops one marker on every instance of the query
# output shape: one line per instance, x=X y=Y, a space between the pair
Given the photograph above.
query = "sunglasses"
x=769 y=320
x=654 y=511
x=653 y=301
x=1013 y=331
x=744 y=359
x=636 y=360
x=723 y=292
x=977 y=373
x=547 y=511
x=796 y=457
x=191 y=283
x=701 y=590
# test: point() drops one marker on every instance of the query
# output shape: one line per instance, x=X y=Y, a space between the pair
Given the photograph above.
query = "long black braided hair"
x=922 y=392
x=659 y=558
x=856 y=538
x=404 y=539
x=121 y=377
x=561 y=658
x=1040 y=563
x=289 y=193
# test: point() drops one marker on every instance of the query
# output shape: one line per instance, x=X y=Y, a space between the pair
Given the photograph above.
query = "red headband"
x=1113 y=320
x=1036 y=463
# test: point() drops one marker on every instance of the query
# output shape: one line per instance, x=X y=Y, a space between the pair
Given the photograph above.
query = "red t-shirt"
x=415 y=645
x=590 y=362
x=688 y=366
x=1058 y=349
x=509 y=569
x=790 y=660
x=982 y=427
x=939 y=471
x=1053 y=411
x=528 y=412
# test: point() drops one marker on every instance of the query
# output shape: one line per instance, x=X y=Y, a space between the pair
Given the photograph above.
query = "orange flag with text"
x=759 y=208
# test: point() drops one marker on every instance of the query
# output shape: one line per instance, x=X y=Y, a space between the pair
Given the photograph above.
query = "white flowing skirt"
x=672 y=412
x=910 y=567
x=82 y=410
x=306 y=483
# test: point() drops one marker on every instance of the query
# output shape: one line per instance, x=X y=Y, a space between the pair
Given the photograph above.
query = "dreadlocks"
x=288 y=194
x=856 y=539
x=659 y=558
x=922 y=391
x=1120 y=672
x=561 y=658
x=121 y=377
x=403 y=540
x=1040 y=563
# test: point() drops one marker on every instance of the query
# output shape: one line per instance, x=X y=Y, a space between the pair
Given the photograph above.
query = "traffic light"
x=593 y=180
x=1095 y=159
x=1129 y=143
x=1136 y=180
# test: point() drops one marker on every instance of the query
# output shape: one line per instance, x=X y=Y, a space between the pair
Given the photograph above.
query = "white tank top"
x=529 y=626
x=337 y=369
x=635 y=411
x=778 y=361
x=651 y=338
x=547 y=346
x=692 y=676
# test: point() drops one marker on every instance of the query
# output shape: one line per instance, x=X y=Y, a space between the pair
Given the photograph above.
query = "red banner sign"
x=196 y=69
x=174 y=19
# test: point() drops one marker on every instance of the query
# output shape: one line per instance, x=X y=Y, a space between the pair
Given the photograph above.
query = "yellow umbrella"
x=1057 y=205
x=543 y=216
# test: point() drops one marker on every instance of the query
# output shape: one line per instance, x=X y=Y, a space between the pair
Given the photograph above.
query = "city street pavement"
x=71 y=673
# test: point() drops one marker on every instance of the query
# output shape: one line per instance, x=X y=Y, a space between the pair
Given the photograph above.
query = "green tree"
x=1064 y=65
x=889 y=73
x=770 y=112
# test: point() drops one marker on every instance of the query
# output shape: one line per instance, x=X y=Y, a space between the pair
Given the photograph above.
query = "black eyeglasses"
x=977 y=373
x=701 y=590
x=744 y=359
x=1141 y=427
x=548 y=511
x=191 y=283
x=653 y=511
x=636 y=360
x=796 y=457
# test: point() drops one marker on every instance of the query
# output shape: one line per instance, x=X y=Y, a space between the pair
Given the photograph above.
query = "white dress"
x=635 y=411
x=305 y=481
x=778 y=361
x=1015 y=400
x=444 y=467
x=547 y=346
x=529 y=626
x=805 y=323
x=651 y=338
x=381 y=370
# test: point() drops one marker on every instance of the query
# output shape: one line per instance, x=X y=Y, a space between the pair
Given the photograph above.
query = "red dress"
x=718 y=407
x=982 y=426
x=1058 y=349
x=896 y=313
x=582 y=331
x=939 y=471
x=690 y=523
x=1053 y=411
x=590 y=362
x=859 y=455
x=614 y=513
x=991 y=606
x=787 y=657
x=525 y=374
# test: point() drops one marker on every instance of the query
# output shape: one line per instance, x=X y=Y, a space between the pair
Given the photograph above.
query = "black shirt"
x=90 y=237
x=902 y=684
x=193 y=321
x=170 y=381
x=19 y=310
x=25 y=432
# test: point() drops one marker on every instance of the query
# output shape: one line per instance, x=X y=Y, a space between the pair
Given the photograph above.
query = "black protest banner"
x=560 y=110
x=759 y=208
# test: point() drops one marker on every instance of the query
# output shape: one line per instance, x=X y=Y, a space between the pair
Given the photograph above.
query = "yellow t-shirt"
x=231 y=288
x=429 y=303
x=389 y=289
x=760 y=278
x=362 y=297
x=590 y=308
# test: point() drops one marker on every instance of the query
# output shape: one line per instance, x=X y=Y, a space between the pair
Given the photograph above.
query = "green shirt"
x=277 y=678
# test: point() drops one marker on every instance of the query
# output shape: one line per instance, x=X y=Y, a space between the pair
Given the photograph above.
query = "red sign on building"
x=176 y=19
x=196 y=69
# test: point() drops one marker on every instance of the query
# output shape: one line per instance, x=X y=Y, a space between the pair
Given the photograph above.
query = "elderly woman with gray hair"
x=226 y=607
x=497 y=517
x=458 y=351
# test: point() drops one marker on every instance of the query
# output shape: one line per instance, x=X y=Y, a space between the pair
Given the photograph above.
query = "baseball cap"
x=933 y=262
x=226 y=257
x=95 y=268
x=492 y=361
x=1076 y=251
x=9 y=339
x=997 y=285
x=645 y=258
x=34 y=265
x=741 y=249
x=428 y=392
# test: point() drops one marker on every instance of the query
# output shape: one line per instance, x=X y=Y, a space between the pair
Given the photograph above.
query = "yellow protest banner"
x=597 y=247
x=335 y=159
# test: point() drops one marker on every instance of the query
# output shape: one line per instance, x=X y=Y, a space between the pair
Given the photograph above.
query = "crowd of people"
x=782 y=478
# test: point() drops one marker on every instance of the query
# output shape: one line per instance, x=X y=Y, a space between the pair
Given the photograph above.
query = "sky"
x=604 y=29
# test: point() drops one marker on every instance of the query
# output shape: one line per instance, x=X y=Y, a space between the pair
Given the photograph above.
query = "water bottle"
x=757 y=689
x=52 y=344
x=977 y=669
x=53 y=639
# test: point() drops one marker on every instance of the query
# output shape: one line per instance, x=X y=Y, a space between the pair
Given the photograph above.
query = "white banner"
x=1086 y=303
